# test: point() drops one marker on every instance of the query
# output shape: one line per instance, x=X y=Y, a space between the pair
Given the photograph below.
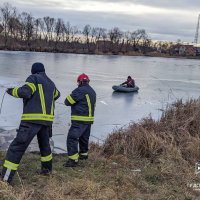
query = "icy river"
x=161 y=81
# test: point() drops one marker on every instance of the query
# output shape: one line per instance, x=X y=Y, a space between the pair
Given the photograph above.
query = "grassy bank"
x=148 y=160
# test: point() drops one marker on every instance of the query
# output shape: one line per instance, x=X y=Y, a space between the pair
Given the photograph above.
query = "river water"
x=161 y=81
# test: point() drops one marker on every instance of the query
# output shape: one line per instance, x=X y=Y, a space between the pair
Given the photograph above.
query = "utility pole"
x=197 y=31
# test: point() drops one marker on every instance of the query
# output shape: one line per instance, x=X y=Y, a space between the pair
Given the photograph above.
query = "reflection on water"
x=161 y=81
x=128 y=96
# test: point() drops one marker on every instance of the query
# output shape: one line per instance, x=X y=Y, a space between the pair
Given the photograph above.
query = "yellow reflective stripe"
x=84 y=154
x=74 y=157
x=82 y=118
x=52 y=105
x=32 y=86
x=56 y=94
x=15 y=92
x=70 y=99
x=36 y=116
x=10 y=165
x=46 y=158
x=42 y=98
x=89 y=105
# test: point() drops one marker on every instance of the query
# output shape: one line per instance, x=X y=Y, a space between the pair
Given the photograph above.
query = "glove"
x=9 y=91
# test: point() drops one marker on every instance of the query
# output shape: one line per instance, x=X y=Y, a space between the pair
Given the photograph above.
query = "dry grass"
x=177 y=130
x=148 y=160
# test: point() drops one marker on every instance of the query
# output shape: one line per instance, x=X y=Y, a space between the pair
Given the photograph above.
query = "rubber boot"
x=46 y=168
x=71 y=163
x=83 y=157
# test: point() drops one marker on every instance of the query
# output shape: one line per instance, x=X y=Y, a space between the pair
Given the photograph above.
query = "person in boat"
x=129 y=82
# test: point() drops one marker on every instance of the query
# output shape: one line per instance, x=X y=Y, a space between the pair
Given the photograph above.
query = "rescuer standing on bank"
x=39 y=94
x=82 y=101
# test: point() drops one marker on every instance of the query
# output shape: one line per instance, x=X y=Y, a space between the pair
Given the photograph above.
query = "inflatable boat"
x=120 y=88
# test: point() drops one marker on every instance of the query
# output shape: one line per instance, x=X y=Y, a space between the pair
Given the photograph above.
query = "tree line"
x=22 y=31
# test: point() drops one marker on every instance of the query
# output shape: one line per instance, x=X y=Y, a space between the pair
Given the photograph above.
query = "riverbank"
x=148 y=160
x=50 y=48
x=130 y=53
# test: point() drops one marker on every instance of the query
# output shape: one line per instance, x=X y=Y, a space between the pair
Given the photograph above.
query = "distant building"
x=183 y=50
x=187 y=50
x=198 y=51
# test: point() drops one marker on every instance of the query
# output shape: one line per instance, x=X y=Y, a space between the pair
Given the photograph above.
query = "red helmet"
x=83 y=77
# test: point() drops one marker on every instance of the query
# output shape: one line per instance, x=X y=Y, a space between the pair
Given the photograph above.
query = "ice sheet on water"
x=161 y=81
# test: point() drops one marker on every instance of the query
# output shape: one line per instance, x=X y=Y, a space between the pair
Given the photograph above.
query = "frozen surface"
x=161 y=81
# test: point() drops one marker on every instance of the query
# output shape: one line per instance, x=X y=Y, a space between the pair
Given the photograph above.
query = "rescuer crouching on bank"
x=39 y=94
x=82 y=101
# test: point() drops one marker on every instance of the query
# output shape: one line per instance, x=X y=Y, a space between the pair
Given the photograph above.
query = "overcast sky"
x=162 y=19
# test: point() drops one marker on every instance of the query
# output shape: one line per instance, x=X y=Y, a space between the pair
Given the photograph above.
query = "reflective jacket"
x=82 y=101
x=39 y=94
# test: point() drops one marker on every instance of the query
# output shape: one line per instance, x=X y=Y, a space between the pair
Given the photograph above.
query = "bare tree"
x=101 y=33
x=104 y=36
x=67 y=30
x=1 y=28
x=14 y=26
x=39 y=26
x=137 y=37
x=59 y=31
x=42 y=29
x=28 y=27
x=97 y=33
x=86 y=32
x=51 y=32
x=163 y=46
x=94 y=34
x=7 y=12
x=146 y=44
x=49 y=23
x=115 y=35
x=127 y=36
x=74 y=31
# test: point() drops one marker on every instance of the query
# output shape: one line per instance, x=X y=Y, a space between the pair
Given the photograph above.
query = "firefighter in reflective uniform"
x=82 y=101
x=39 y=94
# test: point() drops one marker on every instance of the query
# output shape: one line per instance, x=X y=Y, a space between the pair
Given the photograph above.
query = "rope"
x=2 y=101
x=90 y=135
x=97 y=138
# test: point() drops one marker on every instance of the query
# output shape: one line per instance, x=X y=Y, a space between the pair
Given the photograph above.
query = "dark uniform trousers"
x=79 y=133
x=25 y=134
